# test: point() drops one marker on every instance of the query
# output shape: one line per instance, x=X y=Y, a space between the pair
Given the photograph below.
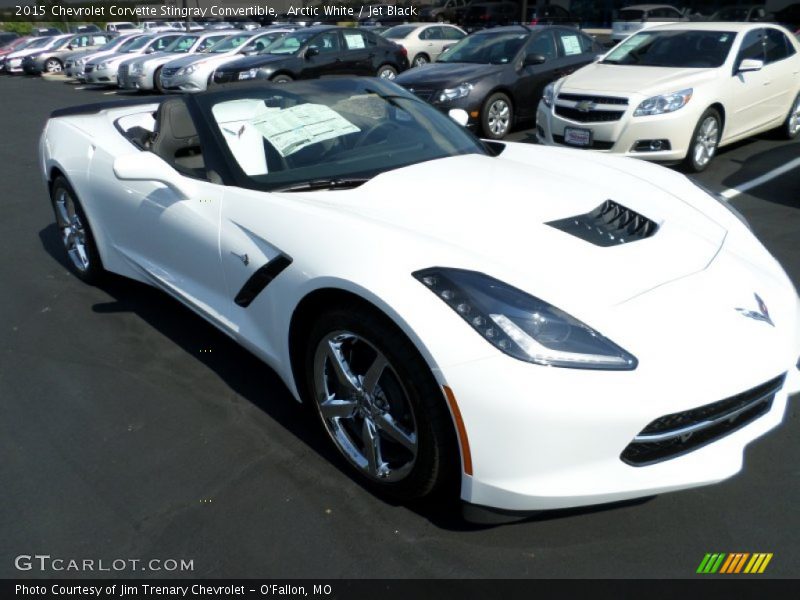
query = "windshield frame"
x=524 y=36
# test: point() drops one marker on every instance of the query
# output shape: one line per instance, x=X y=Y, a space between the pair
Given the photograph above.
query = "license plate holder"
x=575 y=136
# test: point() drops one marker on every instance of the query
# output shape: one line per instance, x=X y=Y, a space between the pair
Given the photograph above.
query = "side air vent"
x=608 y=225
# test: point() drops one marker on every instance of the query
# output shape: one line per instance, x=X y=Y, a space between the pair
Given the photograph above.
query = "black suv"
x=318 y=51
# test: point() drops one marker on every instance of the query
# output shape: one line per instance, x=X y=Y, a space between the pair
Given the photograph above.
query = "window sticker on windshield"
x=292 y=129
x=572 y=44
x=354 y=41
x=723 y=38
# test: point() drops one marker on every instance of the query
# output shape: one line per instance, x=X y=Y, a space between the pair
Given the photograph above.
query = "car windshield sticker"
x=629 y=46
x=292 y=129
x=354 y=41
x=571 y=44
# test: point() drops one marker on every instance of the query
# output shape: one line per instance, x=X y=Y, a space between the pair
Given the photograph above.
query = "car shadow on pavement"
x=235 y=366
x=783 y=189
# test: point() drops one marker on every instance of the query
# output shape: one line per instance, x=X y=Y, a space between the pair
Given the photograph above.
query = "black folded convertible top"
x=89 y=109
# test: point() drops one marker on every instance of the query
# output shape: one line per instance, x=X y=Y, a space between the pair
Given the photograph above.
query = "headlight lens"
x=724 y=201
x=104 y=65
x=548 y=94
x=187 y=70
x=460 y=91
x=658 y=105
x=522 y=325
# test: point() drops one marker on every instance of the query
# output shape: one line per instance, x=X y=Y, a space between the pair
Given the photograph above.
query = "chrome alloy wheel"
x=420 y=60
x=499 y=117
x=794 y=118
x=364 y=406
x=387 y=73
x=52 y=66
x=705 y=143
x=72 y=231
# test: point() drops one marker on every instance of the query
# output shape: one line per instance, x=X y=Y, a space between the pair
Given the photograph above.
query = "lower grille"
x=589 y=116
x=425 y=95
x=678 y=433
x=88 y=69
x=595 y=145
x=224 y=76
x=122 y=74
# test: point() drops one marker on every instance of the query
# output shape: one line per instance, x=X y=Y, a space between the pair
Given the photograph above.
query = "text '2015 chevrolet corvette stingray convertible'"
x=544 y=327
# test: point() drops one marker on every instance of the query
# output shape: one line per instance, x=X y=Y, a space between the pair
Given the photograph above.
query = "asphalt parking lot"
x=130 y=428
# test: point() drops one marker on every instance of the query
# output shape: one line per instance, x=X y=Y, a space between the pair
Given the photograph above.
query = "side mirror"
x=534 y=59
x=150 y=50
x=750 y=64
x=248 y=50
x=459 y=115
x=312 y=51
x=146 y=166
x=70 y=47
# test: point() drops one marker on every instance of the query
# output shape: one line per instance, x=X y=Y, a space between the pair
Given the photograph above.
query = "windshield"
x=288 y=44
x=331 y=130
x=732 y=14
x=182 y=44
x=631 y=15
x=679 y=49
x=485 y=48
x=137 y=44
x=124 y=26
x=227 y=44
x=58 y=44
x=399 y=32
x=39 y=43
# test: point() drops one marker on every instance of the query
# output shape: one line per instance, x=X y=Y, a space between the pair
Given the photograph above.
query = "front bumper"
x=97 y=76
x=136 y=81
x=622 y=136
x=549 y=438
x=13 y=65
x=32 y=67
x=184 y=83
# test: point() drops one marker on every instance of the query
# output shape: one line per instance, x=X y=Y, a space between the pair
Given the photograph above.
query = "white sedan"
x=528 y=327
x=424 y=42
x=678 y=92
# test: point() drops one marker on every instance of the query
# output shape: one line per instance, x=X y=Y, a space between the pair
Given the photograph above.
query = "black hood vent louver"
x=609 y=224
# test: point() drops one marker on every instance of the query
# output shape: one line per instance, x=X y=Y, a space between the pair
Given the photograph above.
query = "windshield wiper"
x=340 y=183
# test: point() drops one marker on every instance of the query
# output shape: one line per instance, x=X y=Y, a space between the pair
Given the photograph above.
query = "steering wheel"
x=373 y=131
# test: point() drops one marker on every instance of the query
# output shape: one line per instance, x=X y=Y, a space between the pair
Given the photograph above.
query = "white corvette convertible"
x=544 y=327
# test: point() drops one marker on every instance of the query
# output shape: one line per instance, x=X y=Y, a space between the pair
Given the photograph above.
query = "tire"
x=53 y=65
x=281 y=79
x=420 y=59
x=791 y=126
x=497 y=116
x=386 y=72
x=157 y=81
x=705 y=141
x=75 y=232
x=404 y=403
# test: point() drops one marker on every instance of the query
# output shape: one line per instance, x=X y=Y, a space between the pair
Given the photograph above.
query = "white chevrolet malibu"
x=678 y=92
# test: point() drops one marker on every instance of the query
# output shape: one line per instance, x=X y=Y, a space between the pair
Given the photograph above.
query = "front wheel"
x=379 y=404
x=497 y=116
x=76 y=235
x=791 y=126
x=157 y=81
x=281 y=79
x=705 y=140
x=53 y=65
x=387 y=72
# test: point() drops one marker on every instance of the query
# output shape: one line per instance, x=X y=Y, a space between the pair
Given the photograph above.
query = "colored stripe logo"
x=734 y=563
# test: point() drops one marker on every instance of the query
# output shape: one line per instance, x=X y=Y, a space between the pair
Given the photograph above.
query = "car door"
x=532 y=79
x=169 y=235
x=746 y=93
x=327 y=58
x=781 y=67
x=357 y=56
x=575 y=50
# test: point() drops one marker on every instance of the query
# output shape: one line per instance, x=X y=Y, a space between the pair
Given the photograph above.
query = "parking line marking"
x=769 y=175
x=83 y=87
x=108 y=93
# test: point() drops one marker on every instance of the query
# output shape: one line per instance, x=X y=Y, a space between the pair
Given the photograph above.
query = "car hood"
x=262 y=60
x=492 y=214
x=441 y=75
x=598 y=77
x=24 y=53
x=156 y=58
x=184 y=61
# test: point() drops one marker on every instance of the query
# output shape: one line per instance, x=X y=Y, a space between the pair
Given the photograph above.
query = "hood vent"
x=608 y=225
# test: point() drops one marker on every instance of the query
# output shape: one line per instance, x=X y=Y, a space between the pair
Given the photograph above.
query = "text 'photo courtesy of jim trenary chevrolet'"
x=427 y=289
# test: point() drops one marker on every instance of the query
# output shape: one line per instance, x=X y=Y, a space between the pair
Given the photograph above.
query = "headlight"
x=104 y=65
x=724 y=201
x=548 y=94
x=460 y=91
x=522 y=325
x=80 y=61
x=187 y=70
x=658 y=105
